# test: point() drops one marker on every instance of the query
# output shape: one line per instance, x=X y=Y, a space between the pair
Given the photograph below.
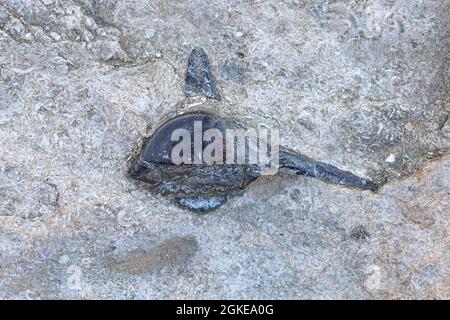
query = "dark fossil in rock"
x=198 y=76
x=203 y=187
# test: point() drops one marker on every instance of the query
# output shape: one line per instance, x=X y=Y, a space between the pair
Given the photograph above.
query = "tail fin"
x=291 y=163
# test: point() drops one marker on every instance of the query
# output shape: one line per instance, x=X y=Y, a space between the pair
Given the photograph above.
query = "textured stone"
x=348 y=83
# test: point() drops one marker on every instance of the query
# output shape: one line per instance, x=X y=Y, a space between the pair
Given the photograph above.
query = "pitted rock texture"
x=362 y=85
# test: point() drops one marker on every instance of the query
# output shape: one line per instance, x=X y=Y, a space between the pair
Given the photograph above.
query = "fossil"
x=204 y=187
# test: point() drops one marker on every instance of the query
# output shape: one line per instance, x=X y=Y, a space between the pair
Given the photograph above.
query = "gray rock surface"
x=362 y=85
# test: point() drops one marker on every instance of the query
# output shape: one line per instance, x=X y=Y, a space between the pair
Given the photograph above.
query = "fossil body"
x=203 y=187
x=200 y=187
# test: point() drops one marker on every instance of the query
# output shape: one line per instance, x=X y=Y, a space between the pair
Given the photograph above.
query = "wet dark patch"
x=233 y=70
x=171 y=254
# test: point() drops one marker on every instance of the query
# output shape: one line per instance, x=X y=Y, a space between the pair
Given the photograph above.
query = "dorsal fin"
x=198 y=76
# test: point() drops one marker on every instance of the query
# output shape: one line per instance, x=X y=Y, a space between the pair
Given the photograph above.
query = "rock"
x=348 y=83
